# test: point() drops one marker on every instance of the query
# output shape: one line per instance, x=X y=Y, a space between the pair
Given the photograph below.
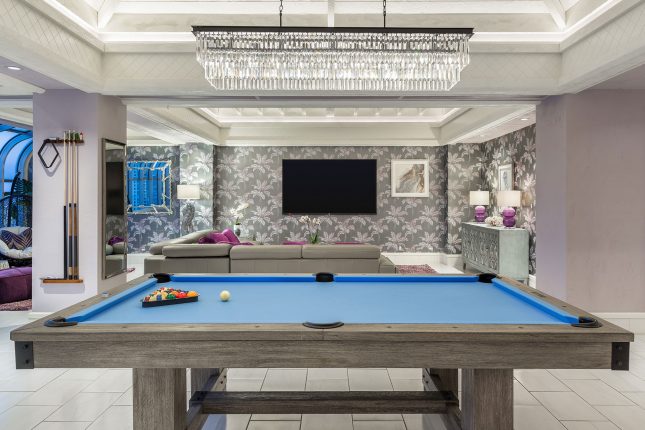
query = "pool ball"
x=224 y=296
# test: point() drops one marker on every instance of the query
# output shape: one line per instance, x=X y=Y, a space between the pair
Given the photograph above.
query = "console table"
x=500 y=250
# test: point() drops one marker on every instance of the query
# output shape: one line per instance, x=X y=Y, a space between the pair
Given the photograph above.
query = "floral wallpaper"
x=196 y=167
x=517 y=148
x=465 y=174
x=146 y=229
x=253 y=175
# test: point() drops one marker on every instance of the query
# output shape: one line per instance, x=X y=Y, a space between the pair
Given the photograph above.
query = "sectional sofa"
x=185 y=255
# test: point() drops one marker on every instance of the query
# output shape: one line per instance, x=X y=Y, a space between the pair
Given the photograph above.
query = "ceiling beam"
x=323 y=7
x=557 y=12
x=107 y=11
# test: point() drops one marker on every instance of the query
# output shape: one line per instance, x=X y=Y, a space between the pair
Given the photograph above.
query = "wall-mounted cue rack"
x=70 y=143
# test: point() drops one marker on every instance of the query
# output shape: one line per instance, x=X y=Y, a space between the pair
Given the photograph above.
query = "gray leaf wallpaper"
x=517 y=148
x=196 y=167
x=146 y=229
x=229 y=176
x=254 y=175
x=472 y=167
x=465 y=174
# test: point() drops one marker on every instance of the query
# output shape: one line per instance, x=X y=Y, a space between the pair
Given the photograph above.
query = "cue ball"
x=224 y=296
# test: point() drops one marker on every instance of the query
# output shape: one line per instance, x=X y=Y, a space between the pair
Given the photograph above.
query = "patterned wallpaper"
x=254 y=175
x=465 y=174
x=517 y=148
x=146 y=229
x=472 y=166
x=196 y=167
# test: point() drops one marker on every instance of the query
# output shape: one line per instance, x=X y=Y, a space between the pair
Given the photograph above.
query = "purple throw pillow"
x=294 y=242
x=115 y=239
x=230 y=236
x=213 y=237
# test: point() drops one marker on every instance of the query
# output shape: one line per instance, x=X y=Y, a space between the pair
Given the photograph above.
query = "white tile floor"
x=101 y=399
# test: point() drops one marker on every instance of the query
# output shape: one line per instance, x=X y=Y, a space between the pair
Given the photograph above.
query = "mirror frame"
x=104 y=142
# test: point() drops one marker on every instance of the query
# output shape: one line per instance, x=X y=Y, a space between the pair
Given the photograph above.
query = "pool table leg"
x=159 y=399
x=487 y=399
x=444 y=380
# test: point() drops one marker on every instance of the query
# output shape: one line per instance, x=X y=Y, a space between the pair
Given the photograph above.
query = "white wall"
x=97 y=117
x=591 y=189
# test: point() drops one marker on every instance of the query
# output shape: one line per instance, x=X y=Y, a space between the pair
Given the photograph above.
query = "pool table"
x=485 y=325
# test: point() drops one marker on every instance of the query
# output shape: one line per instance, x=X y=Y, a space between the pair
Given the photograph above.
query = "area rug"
x=411 y=269
x=23 y=305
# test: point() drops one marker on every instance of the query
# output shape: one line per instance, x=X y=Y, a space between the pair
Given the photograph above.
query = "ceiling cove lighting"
x=332 y=58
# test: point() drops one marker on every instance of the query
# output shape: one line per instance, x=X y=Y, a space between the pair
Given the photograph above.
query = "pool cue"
x=73 y=221
x=65 y=212
x=76 y=186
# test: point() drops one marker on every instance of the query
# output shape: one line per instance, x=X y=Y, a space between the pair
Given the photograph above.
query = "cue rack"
x=70 y=144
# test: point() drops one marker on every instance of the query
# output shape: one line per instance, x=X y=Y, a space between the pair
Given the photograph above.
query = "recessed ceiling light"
x=16 y=68
x=524 y=119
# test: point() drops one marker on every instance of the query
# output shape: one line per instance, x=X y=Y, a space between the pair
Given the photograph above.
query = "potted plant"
x=313 y=229
x=238 y=214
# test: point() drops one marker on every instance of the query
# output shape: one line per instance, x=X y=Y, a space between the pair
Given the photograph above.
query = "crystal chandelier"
x=332 y=58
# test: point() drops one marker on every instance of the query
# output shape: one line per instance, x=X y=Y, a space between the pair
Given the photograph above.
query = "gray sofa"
x=185 y=255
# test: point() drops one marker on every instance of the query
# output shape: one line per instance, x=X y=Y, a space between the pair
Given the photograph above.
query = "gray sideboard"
x=504 y=251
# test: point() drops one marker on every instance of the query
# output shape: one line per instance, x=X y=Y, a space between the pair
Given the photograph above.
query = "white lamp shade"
x=479 y=198
x=188 y=192
x=509 y=199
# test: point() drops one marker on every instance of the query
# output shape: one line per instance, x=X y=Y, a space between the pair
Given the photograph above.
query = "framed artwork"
x=505 y=177
x=410 y=178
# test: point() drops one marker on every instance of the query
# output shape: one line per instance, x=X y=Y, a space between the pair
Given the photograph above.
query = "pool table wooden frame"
x=160 y=353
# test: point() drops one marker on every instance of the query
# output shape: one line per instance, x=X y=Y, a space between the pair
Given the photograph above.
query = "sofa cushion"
x=197 y=250
x=155 y=248
x=266 y=252
x=119 y=248
x=341 y=251
x=17 y=241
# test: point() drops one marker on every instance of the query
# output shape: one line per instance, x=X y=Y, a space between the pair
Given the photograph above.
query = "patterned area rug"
x=24 y=305
x=410 y=269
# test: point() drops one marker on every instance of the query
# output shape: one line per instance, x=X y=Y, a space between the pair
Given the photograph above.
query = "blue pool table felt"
x=350 y=299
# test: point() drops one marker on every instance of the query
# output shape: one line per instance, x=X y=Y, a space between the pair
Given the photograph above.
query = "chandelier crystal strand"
x=332 y=59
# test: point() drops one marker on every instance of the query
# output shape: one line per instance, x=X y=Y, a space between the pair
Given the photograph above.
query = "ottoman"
x=15 y=284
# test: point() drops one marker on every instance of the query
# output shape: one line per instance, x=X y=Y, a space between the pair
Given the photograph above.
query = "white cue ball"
x=224 y=296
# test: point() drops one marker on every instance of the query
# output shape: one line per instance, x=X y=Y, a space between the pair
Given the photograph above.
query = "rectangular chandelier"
x=332 y=58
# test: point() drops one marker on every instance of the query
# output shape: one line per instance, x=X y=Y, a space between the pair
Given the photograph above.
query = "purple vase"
x=480 y=213
x=509 y=217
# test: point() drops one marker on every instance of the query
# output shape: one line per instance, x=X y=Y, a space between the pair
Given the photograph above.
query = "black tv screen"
x=114 y=188
x=329 y=187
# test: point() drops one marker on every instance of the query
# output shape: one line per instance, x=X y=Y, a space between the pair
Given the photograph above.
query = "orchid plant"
x=313 y=228
x=238 y=212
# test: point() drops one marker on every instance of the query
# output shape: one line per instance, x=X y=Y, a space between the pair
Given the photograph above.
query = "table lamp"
x=509 y=200
x=188 y=192
x=480 y=199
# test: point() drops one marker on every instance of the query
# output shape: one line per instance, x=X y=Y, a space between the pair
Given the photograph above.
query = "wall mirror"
x=149 y=187
x=115 y=223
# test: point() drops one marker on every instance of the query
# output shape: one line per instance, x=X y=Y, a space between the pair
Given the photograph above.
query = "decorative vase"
x=480 y=213
x=509 y=217
x=237 y=229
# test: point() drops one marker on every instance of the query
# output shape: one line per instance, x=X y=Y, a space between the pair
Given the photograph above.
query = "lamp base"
x=480 y=213
x=509 y=217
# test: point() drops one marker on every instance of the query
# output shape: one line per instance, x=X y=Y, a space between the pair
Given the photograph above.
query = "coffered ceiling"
x=144 y=52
